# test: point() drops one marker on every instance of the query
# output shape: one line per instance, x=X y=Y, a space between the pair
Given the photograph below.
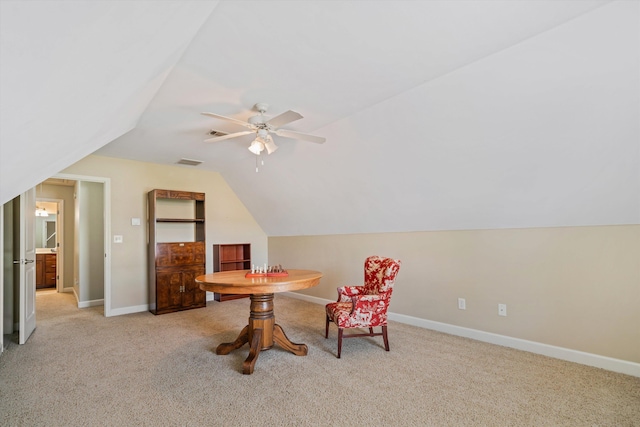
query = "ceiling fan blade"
x=228 y=136
x=301 y=136
x=230 y=119
x=283 y=119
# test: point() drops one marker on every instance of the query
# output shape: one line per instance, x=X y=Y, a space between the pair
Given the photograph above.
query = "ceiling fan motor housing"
x=261 y=107
x=257 y=121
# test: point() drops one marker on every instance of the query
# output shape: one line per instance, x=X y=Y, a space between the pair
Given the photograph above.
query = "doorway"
x=101 y=256
x=91 y=252
x=86 y=223
x=50 y=244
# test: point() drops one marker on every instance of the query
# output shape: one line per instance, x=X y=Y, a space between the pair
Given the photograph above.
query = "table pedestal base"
x=261 y=332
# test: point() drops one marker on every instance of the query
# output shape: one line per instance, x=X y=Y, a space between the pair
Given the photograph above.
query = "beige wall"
x=576 y=288
x=227 y=219
x=90 y=242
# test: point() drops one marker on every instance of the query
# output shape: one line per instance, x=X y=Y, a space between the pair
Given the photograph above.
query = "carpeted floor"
x=82 y=369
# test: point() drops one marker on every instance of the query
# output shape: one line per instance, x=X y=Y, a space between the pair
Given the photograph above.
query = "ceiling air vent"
x=189 y=162
x=215 y=133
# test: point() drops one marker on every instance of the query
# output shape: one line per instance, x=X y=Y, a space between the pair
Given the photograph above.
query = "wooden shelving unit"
x=229 y=257
x=176 y=255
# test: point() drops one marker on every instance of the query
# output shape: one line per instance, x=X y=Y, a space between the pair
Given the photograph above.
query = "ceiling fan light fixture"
x=256 y=146
x=270 y=145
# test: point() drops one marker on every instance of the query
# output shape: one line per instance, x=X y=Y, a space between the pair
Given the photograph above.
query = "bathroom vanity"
x=45 y=269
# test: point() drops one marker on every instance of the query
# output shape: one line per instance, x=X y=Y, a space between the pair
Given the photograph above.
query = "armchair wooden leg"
x=340 y=330
x=371 y=331
x=386 y=339
x=326 y=331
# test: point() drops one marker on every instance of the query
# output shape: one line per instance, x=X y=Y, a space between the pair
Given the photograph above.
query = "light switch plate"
x=135 y=221
x=502 y=309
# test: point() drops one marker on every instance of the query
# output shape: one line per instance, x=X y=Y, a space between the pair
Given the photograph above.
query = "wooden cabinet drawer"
x=50 y=263
x=176 y=254
x=172 y=276
x=50 y=278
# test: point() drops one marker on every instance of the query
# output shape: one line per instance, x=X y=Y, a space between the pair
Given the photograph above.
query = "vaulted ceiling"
x=438 y=114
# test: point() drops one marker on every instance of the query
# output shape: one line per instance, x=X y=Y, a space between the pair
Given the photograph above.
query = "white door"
x=27 y=265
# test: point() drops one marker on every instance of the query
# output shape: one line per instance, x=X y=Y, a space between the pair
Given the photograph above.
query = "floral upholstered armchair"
x=365 y=306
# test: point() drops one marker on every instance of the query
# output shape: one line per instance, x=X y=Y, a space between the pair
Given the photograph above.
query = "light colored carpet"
x=82 y=369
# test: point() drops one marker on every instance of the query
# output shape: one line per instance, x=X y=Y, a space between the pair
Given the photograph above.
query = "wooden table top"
x=234 y=282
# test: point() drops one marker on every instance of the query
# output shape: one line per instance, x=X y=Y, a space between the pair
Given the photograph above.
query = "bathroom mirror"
x=46 y=236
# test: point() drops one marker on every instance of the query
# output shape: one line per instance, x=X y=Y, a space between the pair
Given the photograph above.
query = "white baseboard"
x=589 y=359
x=85 y=304
x=141 y=308
x=92 y=303
x=129 y=310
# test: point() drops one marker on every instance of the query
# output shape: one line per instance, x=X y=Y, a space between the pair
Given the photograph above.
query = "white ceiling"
x=438 y=114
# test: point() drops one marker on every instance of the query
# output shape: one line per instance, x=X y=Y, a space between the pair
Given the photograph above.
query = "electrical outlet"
x=502 y=309
x=462 y=304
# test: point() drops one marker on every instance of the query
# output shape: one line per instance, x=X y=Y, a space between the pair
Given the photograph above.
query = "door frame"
x=106 y=228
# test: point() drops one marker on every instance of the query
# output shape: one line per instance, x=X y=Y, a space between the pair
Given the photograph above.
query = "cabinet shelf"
x=199 y=220
x=230 y=257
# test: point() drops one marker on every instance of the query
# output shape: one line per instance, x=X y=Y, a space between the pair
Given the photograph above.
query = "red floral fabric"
x=366 y=306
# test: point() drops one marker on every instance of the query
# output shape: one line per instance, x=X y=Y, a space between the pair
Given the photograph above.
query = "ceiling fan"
x=263 y=126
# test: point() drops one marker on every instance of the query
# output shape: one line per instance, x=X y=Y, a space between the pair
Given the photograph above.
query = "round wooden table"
x=262 y=330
